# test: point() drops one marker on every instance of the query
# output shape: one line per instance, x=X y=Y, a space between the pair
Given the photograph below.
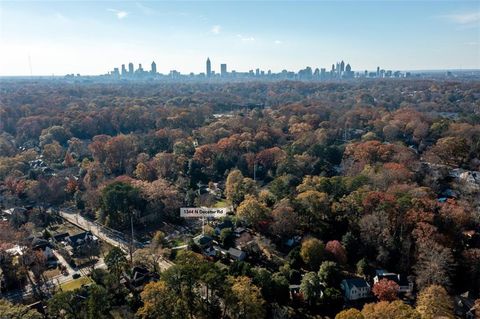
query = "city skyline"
x=41 y=38
x=339 y=70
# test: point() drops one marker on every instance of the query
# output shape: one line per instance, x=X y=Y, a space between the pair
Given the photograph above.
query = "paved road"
x=114 y=239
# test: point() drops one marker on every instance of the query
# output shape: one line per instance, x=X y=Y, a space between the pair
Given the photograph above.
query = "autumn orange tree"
x=386 y=290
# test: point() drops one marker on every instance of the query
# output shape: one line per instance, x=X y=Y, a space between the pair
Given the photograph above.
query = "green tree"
x=97 y=302
x=237 y=187
x=17 y=311
x=329 y=274
x=311 y=288
x=332 y=298
x=315 y=208
x=226 y=237
x=312 y=252
x=116 y=261
x=63 y=305
x=118 y=202
x=362 y=267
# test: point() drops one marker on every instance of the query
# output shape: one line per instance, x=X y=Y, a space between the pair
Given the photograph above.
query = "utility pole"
x=131 y=241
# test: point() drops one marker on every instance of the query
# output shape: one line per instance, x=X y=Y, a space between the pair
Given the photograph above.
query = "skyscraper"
x=130 y=68
x=209 y=68
x=223 y=69
x=154 y=68
x=124 y=70
x=342 y=66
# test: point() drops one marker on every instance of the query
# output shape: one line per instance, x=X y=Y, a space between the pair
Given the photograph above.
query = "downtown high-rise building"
x=154 y=68
x=209 y=68
x=223 y=69
x=130 y=68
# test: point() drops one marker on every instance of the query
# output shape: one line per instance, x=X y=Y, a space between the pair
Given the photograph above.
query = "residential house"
x=203 y=241
x=355 y=289
x=406 y=286
x=236 y=254
x=139 y=277
x=40 y=244
x=79 y=241
x=464 y=306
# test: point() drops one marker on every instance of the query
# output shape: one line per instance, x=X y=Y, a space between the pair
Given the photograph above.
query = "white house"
x=355 y=288
x=406 y=286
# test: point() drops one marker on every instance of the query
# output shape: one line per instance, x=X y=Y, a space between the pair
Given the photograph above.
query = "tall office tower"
x=317 y=72
x=323 y=73
x=209 y=68
x=130 y=68
x=348 y=71
x=308 y=72
x=223 y=69
x=378 y=71
x=140 y=69
x=333 y=68
x=257 y=72
x=124 y=70
x=342 y=66
x=154 y=68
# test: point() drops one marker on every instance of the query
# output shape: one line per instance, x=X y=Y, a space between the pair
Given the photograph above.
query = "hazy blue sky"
x=91 y=37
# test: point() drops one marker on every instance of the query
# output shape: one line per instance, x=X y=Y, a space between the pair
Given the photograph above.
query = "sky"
x=93 y=37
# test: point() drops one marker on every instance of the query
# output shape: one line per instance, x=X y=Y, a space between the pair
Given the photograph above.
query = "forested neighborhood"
x=346 y=200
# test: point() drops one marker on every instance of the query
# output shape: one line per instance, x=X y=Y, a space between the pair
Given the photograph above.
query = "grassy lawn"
x=50 y=273
x=74 y=284
x=177 y=242
x=222 y=203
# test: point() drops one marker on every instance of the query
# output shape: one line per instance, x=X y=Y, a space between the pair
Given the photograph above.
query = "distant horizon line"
x=103 y=74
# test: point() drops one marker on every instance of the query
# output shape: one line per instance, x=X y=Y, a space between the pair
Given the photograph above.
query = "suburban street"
x=113 y=238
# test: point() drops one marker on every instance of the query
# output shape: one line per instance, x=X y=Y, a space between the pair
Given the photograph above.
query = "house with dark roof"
x=203 y=241
x=40 y=244
x=223 y=225
x=464 y=306
x=355 y=289
x=138 y=277
x=78 y=241
x=60 y=237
